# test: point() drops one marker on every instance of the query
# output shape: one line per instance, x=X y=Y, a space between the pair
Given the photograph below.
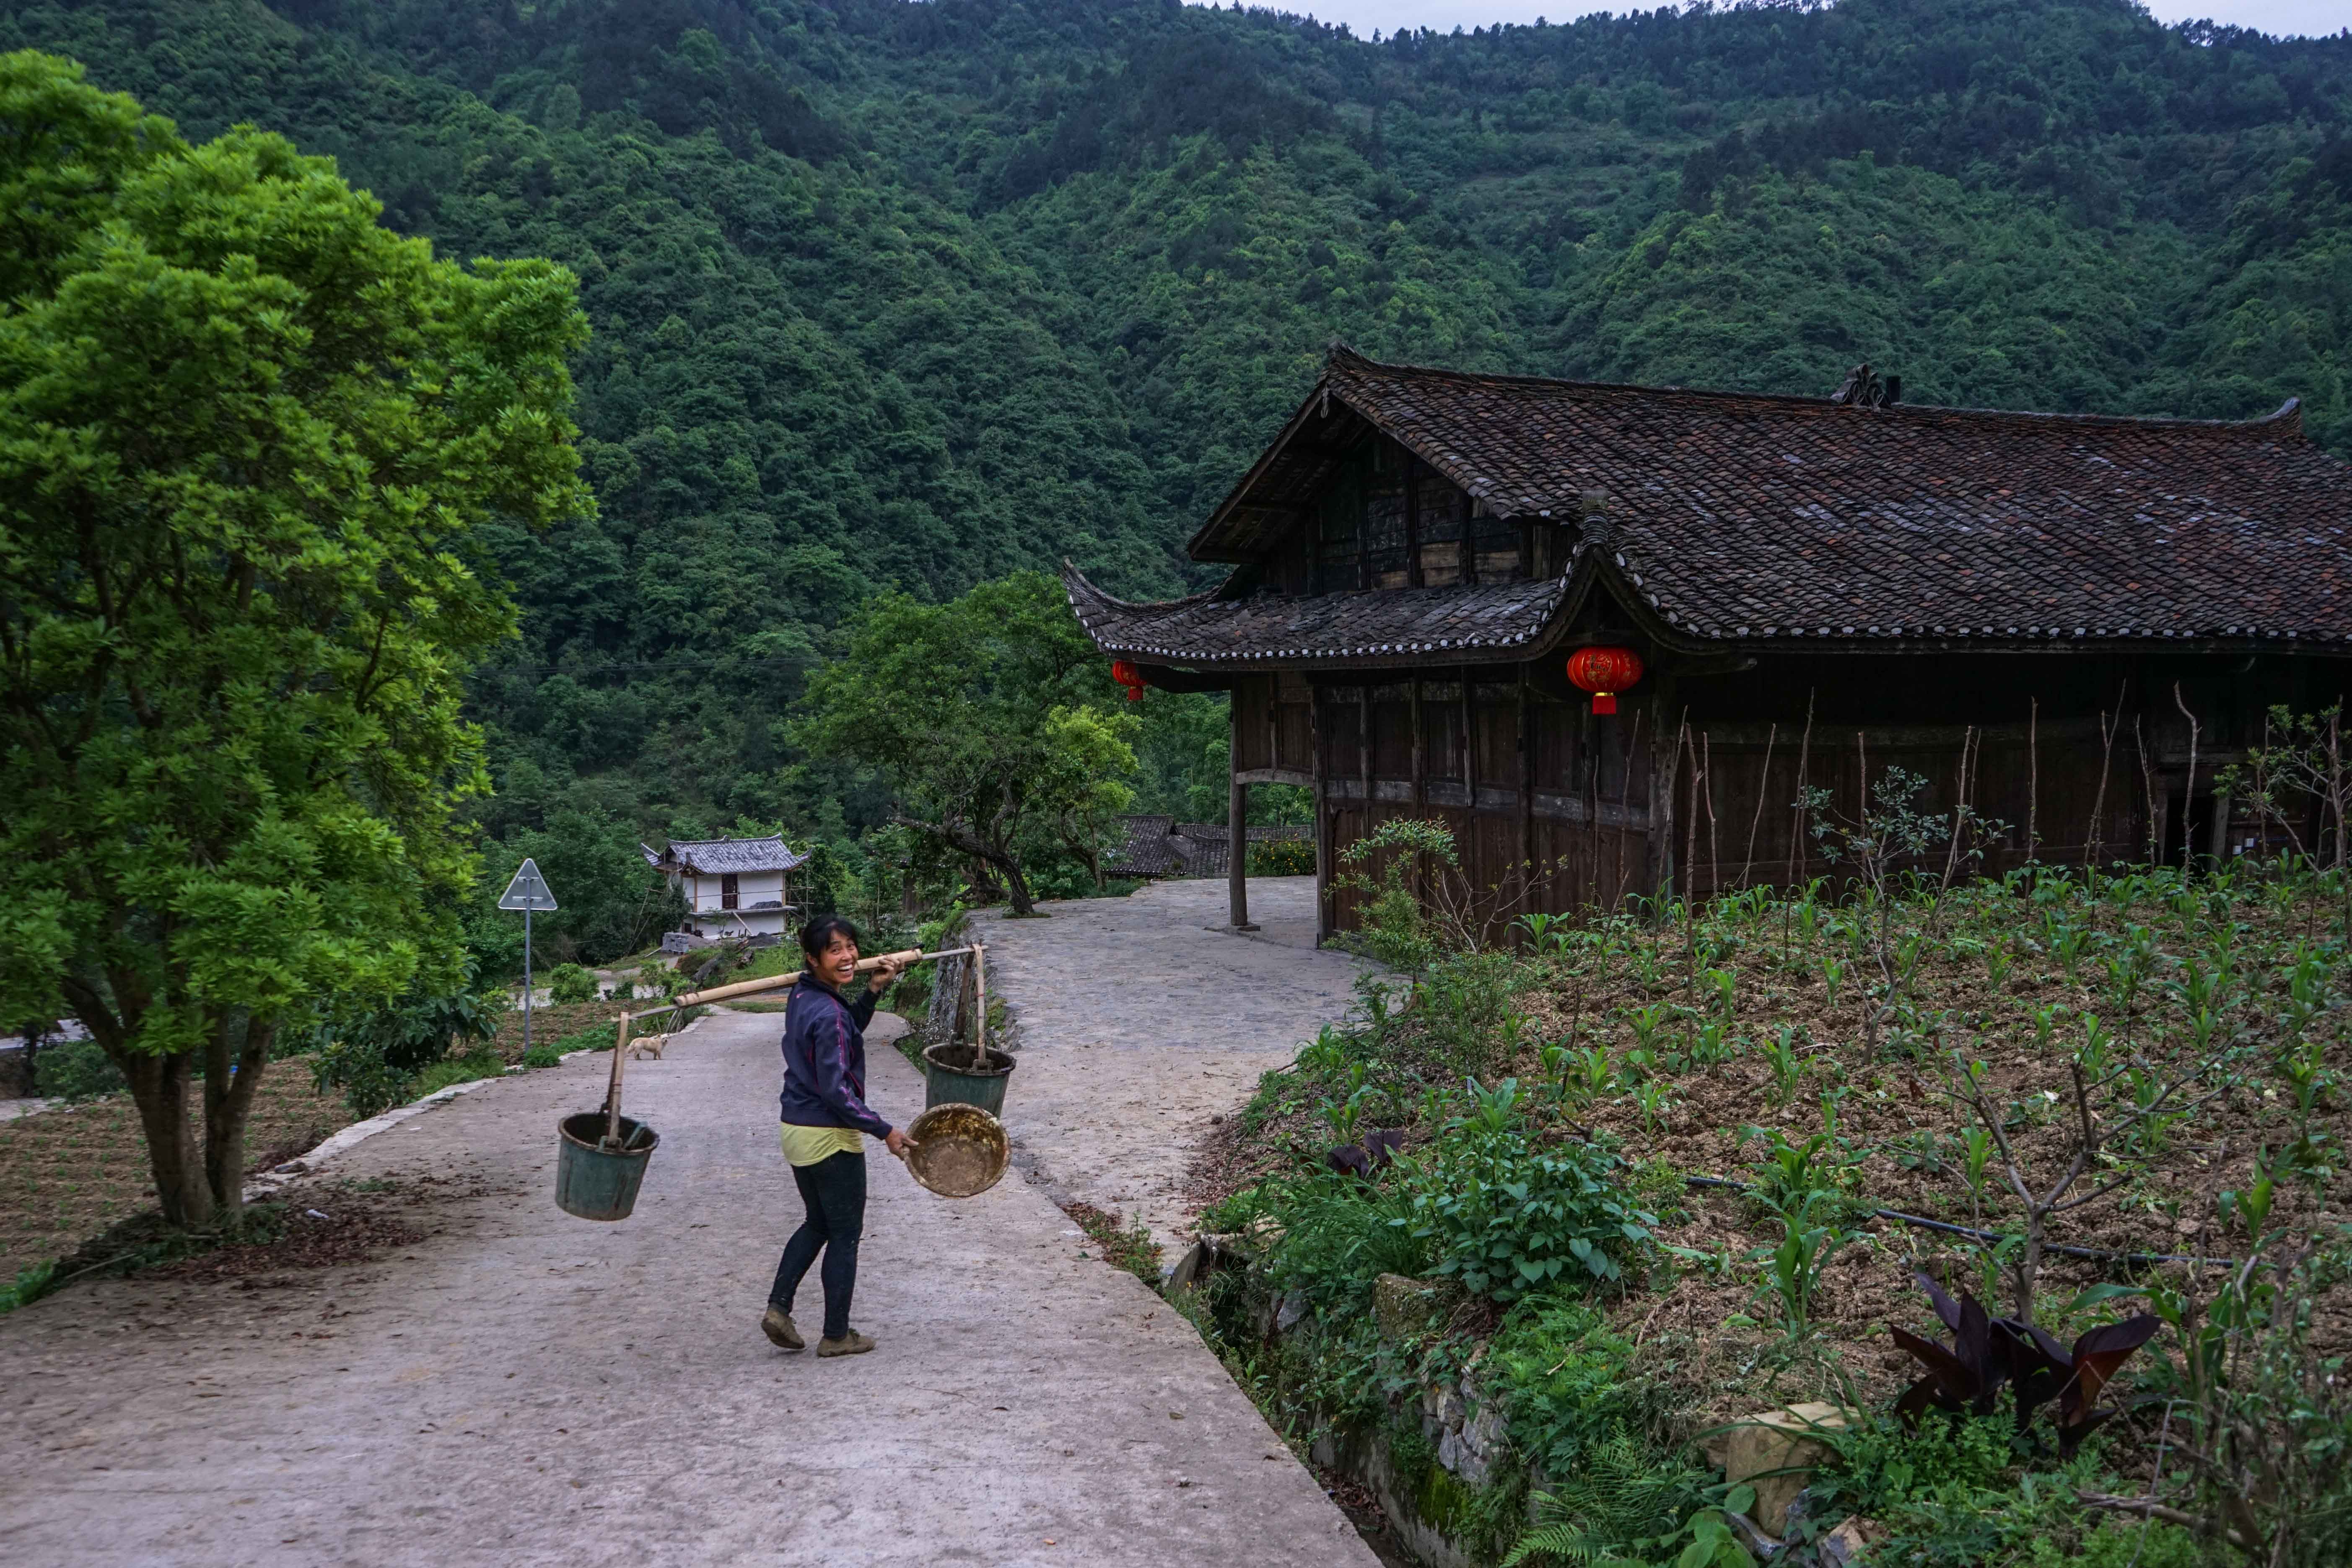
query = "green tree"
x=247 y=437
x=1086 y=753
x=967 y=709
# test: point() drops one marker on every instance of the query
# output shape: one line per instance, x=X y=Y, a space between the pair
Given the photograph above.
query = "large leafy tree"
x=984 y=715
x=246 y=439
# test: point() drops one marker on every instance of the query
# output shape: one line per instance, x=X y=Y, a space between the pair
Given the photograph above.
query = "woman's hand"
x=885 y=972
x=897 y=1142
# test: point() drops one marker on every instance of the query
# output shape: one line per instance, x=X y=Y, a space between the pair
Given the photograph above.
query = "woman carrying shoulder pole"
x=824 y=1120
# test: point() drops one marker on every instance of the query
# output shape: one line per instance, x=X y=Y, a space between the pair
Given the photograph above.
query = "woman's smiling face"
x=837 y=964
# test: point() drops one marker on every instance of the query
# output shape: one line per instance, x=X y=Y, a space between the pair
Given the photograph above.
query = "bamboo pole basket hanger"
x=600 y=1166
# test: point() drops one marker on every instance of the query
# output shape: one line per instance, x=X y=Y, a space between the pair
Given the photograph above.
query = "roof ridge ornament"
x=1593 y=520
x=1865 y=388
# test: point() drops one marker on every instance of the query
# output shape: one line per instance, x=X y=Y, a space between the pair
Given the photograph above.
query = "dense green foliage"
x=248 y=441
x=894 y=296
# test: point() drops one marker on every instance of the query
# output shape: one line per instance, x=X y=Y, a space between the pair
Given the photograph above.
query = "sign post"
x=527 y=893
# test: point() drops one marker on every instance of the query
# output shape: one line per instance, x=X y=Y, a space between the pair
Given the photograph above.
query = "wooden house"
x=733 y=887
x=2070 y=624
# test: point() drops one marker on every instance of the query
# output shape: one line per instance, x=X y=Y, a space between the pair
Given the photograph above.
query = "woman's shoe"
x=851 y=1343
x=778 y=1326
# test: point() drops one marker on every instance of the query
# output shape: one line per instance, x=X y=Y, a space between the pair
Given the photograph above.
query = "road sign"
x=528 y=890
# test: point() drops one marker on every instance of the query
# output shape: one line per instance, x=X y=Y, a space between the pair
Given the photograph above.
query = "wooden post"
x=1466 y=513
x=1527 y=719
x=1237 y=829
x=1469 y=745
x=1315 y=741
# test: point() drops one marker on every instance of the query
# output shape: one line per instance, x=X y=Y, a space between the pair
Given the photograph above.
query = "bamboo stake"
x=2188 y=790
x=613 y=1088
x=2097 y=840
x=1763 y=788
x=1714 y=844
x=1797 y=806
x=980 y=1021
x=2033 y=780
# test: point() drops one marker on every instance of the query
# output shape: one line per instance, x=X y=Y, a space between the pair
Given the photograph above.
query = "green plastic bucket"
x=592 y=1181
x=961 y=1085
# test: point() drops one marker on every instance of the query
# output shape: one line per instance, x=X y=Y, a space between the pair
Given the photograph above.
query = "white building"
x=733 y=887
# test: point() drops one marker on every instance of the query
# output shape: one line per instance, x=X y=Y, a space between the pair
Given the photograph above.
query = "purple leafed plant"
x=1987 y=1352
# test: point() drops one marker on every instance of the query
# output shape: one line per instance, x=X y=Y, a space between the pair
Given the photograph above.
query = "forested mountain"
x=914 y=294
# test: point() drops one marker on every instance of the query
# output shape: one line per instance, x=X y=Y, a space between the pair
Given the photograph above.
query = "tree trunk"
x=965 y=841
x=228 y=1106
x=159 y=1088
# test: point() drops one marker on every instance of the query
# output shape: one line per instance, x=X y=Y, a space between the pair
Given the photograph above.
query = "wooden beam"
x=1420 y=751
x=1237 y=834
x=1467 y=530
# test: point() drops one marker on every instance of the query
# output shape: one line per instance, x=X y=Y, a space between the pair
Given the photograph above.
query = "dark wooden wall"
x=1696 y=779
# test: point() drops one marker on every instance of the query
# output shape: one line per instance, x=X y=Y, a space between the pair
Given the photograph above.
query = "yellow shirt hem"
x=807 y=1145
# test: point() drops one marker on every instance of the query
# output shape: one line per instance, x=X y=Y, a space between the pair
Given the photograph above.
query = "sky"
x=2308 y=17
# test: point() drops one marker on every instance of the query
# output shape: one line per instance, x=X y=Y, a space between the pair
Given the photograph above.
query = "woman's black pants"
x=834 y=1189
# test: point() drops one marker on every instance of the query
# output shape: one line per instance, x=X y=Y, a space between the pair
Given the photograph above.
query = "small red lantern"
x=1127 y=675
x=1604 y=672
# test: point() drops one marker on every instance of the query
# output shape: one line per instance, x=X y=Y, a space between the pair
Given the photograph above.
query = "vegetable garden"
x=2038 y=1181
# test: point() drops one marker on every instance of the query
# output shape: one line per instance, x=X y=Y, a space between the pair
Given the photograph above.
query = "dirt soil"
x=67 y=1175
x=1713 y=1333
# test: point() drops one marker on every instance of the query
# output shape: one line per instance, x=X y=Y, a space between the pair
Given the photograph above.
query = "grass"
x=1841 y=1059
x=1128 y=1246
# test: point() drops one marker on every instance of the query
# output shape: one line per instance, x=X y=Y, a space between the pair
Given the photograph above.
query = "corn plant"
x=1832 y=976
x=1723 y=986
x=1792 y=1269
x=1788 y=1071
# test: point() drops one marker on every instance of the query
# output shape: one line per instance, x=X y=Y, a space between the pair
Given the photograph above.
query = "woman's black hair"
x=817 y=935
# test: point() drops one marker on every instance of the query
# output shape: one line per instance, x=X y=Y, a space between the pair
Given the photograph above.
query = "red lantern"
x=1127 y=675
x=1604 y=672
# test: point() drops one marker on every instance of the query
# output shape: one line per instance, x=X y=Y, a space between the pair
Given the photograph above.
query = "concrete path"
x=1143 y=1017
x=522 y=1387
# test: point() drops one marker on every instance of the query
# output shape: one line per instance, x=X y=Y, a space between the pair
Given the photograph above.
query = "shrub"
x=1282 y=858
x=74 y=1070
x=1338 y=1235
x=570 y=983
x=1506 y=1216
x=373 y=1054
x=543 y=1056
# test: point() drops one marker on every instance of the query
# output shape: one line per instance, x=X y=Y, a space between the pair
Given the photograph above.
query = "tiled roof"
x=1742 y=517
x=1373 y=624
x=715 y=857
x=1163 y=846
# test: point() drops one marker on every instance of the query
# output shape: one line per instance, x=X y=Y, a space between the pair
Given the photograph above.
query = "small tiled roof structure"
x=718 y=857
x=1740 y=518
x=1163 y=846
x=1146 y=851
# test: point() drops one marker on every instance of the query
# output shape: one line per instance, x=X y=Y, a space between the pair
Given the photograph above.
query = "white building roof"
x=715 y=856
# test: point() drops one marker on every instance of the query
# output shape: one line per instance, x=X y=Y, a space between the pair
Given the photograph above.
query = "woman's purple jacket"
x=825 y=1058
